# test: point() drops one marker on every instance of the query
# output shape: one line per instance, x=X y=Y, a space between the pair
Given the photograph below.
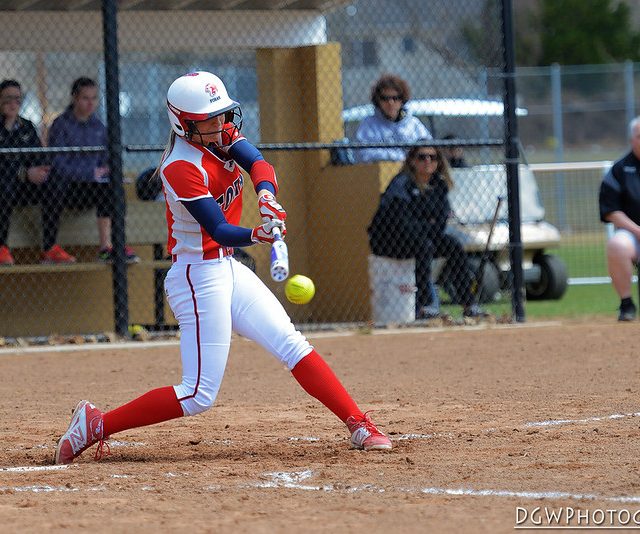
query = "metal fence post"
x=511 y=152
x=629 y=92
x=114 y=148
x=558 y=135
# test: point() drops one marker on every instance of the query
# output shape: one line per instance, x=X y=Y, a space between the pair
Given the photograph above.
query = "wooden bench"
x=145 y=225
x=146 y=230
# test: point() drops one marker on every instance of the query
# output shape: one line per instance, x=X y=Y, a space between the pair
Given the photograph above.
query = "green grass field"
x=579 y=302
x=584 y=256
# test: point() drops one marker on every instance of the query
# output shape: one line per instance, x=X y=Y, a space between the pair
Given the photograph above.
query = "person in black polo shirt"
x=620 y=204
x=24 y=178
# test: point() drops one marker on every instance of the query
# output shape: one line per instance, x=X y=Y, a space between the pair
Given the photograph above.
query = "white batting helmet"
x=194 y=97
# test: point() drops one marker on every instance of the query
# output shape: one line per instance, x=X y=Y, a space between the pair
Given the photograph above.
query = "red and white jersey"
x=191 y=172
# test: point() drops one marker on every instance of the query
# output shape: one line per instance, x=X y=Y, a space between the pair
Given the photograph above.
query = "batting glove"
x=264 y=232
x=270 y=209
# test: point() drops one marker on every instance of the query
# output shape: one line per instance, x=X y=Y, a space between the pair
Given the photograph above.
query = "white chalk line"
x=293 y=480
x=405 y=437
x=32 y=468
x=551 y=423
x=559 y=422
x=462 y=328
x=300 y=480
x=218 y=441
x=533 y=495
x=40 y=488
x=128 y=345
x=116 y=443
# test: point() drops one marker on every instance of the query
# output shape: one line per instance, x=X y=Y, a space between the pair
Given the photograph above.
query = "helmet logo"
x=211 y=89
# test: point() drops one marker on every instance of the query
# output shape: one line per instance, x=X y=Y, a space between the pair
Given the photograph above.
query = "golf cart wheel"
x=553 y=279
x=489 y=289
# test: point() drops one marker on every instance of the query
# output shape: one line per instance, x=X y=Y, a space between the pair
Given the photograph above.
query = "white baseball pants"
x=210 y=299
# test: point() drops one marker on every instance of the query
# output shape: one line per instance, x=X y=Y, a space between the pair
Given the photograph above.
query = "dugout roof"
x=76 y=25
x=172 y=5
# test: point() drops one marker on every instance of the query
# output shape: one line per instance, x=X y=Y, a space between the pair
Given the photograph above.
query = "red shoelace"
x=367 y=423
x=102 y=450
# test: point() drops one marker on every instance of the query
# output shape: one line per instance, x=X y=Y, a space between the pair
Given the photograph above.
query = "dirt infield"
x=483 y=421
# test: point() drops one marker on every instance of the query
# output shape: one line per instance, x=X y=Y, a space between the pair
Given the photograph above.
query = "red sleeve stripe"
x=261 y=171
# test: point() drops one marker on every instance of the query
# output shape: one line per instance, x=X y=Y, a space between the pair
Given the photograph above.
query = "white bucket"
x=393 y=290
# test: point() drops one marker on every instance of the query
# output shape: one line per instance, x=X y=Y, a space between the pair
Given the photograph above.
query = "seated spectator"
x=411 y=222
x=24 y=178
x=454 y=154
x=620 y=205
x=85 y=176
x=390 y=122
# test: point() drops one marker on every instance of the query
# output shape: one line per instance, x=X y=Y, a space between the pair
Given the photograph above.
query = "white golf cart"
x=473 y=200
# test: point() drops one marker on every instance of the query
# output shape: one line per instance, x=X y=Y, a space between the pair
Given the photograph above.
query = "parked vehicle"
x=473 y=200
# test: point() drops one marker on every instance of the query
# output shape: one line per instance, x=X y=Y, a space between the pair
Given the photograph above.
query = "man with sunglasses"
x=390 y=123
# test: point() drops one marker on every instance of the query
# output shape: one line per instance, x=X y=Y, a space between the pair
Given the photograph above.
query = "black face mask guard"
x=232 y=125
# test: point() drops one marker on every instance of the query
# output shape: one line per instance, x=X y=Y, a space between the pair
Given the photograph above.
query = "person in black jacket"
x=619 y=203
x=411 y=221
x=24 y=178
x=454 y=154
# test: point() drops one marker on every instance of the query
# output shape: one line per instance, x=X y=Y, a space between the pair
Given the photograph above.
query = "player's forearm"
x=209 y=215
x=265 y=187
x=230 y=235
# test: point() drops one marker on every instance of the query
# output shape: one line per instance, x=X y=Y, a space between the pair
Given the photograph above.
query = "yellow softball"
x=299 y=289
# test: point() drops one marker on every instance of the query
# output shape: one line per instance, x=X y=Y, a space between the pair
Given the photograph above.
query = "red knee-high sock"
x=153 y=407
x=319 y=381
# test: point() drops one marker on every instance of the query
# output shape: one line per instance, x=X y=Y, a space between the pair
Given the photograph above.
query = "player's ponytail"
x=170 y=144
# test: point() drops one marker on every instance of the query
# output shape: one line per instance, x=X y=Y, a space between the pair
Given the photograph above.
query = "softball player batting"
x=210 y=293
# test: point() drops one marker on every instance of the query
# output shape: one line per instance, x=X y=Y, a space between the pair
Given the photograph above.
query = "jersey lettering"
x=231 y=193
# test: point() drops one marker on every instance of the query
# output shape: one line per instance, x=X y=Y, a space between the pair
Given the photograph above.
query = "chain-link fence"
x=317 y=82
x=576 y=112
